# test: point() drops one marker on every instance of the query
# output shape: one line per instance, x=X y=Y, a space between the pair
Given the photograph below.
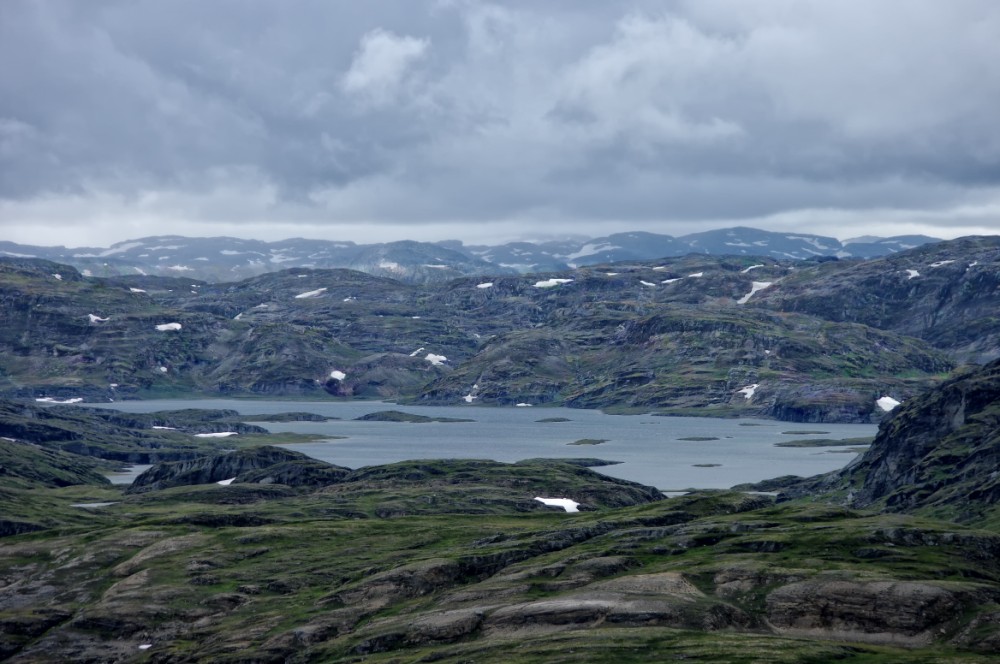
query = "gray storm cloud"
x=464 y=118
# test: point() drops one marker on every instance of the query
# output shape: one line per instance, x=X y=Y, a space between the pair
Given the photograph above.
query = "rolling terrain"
x=819 y=340
x=225 y=259
x=287 y=559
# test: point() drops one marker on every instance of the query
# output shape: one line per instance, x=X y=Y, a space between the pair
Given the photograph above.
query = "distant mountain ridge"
x=222 y=259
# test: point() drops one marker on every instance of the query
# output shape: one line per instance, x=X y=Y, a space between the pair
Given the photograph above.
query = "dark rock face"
x=877 y=611
x=939 y=451
x=265 y=464
x=942 y=447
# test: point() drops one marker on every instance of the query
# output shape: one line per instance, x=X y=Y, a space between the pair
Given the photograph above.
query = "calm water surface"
x=650 y=449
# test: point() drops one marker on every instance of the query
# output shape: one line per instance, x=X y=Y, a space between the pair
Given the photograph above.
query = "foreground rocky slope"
x=894 y=559
x=258 y=573
x=938 y=454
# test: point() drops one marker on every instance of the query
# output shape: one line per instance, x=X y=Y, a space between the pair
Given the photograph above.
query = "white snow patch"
x=590 y=250
x=752 y=267
x=87 y=273
x=238 y=316
x=522 y=405
x=670 y=281
x=164 y=370
x=226 y=482
x=217 y=434
x=179 y=268
x=647 y=283
x=97 y=319
x=659 y=268
x=469 y=398
x=136 y=290
x=312 y=293
x=697 y=274
x=337 y=375
x=390 y=265
x=912 y=274
x=145 y=646
x=748 y=391
x=611 y=274
x=973 y=263
x=810 y=240
x=488 y=284
x=122 y=248
x=57 y=276
x=350 y=299
x=54 y=400
x=139 y=270
x=565 y=503
x=167 y=327
x=166 y=428
x=940 y=263
x=16 y=255
x=161 y=247
x=757 y=286
x=230 y=252
x=549 y=283
x=886 y=403
x=437 y=267
x=436 y=360
x=416 y=352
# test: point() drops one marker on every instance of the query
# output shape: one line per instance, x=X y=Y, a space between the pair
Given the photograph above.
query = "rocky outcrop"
x=266 y=465
x=897 y=612
x=937 y=453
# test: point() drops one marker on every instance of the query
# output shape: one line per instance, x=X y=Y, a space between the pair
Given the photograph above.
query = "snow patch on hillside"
x=757 y=286
x=886 y=403
x=565 y=503
x=312 y=293
x=589 y=250
x=168 y=327
x=549 y=283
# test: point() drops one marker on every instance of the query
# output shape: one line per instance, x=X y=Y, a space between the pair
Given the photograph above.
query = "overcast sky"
x=433 y=119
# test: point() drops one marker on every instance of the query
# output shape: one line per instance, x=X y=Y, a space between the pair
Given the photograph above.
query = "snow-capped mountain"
x=229 y=259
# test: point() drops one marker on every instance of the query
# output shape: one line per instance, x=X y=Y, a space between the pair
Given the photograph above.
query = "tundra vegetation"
x=231 y=548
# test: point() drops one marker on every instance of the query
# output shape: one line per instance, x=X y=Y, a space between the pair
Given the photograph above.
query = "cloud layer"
x=420 y=118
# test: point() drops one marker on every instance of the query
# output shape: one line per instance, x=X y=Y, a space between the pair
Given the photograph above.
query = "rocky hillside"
x=947 y=294
x=819 y=340
x=456 y=561
x=938 y=454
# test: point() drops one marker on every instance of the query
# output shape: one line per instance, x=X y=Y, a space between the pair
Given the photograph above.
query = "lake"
x=651 y=449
